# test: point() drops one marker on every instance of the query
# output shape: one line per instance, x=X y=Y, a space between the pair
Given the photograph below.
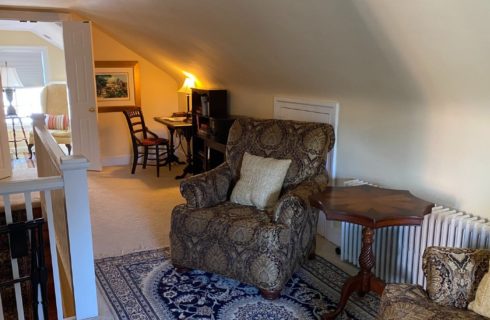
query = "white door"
x=77 y=38
x=315 y=111
x=5 y=164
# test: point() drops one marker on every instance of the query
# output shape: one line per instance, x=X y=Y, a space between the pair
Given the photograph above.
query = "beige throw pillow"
x=481 y=304
x=260 y=181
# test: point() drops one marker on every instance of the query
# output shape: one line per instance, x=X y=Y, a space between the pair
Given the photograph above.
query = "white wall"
x=56 y=57
x=415 y=114
x=158 y=98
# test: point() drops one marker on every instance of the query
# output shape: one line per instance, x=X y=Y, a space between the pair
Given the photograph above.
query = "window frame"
x=41 y=49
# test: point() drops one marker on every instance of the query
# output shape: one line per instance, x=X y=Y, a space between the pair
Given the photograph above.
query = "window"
x=26 y=101
x=29 y=63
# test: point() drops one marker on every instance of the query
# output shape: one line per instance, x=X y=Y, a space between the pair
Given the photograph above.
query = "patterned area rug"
x=144 y=285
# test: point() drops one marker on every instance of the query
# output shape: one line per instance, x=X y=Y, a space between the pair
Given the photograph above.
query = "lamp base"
x=188 y=115
x=11 y=111
x=9 y=92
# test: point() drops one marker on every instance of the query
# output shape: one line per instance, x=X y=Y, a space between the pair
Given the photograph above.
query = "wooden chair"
x=146 y=144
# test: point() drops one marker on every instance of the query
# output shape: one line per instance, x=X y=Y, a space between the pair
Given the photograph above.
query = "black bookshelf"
x=210 y=126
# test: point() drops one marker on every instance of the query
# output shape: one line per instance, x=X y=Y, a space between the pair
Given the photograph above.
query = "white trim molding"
x=311 y=110
x=121 y=160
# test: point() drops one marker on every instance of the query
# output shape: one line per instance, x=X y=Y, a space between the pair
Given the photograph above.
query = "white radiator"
x=398 y=250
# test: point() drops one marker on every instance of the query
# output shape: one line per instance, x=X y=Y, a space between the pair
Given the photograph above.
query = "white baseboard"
x=122 y=160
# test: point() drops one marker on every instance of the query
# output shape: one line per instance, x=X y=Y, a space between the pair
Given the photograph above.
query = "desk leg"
x=171 y=157
x=171 y=147
x=188 y=167
x=364 y=281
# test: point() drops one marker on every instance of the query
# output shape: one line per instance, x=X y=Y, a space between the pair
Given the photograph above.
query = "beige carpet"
x=132 y=212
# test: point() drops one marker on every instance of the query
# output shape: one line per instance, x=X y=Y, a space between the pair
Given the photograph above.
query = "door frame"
x=49 y=16
x=5 y=163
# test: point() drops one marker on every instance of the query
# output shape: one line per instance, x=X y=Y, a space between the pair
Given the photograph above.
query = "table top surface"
x=172 y=123
x=371 y=206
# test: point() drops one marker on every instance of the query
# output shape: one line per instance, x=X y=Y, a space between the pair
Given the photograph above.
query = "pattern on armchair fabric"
x=207 y=189
x=305 y=143
x=452 y=276
x=254 y=246
x=410 y=302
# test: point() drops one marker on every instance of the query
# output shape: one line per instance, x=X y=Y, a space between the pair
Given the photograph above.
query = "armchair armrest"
x=207 y=189
x=296 y=200
x=453 y=274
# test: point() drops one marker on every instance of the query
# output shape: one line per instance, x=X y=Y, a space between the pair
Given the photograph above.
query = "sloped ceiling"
x=49 y=31
x=316 y=46
x=412 y=77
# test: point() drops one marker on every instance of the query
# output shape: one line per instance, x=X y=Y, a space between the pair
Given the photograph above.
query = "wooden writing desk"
x=186 y=129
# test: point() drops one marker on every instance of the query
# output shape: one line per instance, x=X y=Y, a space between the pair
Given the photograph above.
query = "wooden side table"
x=372 y=208
x=12 y=119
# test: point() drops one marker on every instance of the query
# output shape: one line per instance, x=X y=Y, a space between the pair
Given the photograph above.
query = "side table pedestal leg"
x=364 y=281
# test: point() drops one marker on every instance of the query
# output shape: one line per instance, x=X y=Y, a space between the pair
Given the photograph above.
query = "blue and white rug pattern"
x=144 y=285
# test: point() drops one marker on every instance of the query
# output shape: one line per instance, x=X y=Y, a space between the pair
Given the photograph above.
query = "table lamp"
x=10 y=81
x=187 y=89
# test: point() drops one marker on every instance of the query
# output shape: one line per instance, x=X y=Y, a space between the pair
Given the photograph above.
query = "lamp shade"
x=10 y=78
x=187 y=86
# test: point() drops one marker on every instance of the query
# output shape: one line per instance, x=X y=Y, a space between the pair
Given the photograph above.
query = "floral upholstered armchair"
x=259 y=247
x=54 y=103
x=452 y=277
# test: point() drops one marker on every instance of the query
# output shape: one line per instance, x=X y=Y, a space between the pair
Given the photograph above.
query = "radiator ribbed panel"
x=399 y=250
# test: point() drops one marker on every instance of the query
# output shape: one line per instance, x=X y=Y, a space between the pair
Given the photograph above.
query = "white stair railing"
x=63 y=189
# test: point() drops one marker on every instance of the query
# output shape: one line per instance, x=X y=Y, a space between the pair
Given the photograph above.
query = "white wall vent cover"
x=314 y=111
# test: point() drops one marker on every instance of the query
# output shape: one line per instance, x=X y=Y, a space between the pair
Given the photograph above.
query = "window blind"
x=29 y=63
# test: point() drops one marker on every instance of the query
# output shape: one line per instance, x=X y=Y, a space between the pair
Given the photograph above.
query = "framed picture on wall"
x=117 y=83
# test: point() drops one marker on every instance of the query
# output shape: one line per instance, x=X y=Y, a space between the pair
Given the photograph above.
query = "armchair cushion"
x=453 y=274
x=57 y=122
x=207 y=189
x=233 y=240
x=480 y=304
x=260 y=181
x=60 y=136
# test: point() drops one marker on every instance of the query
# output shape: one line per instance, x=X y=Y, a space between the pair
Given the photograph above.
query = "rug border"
x=166 y=253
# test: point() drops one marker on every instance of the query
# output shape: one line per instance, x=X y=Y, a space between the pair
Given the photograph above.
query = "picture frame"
x=117 y=83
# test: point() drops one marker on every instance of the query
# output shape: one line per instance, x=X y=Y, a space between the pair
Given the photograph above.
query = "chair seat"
x=60 y=133
x=220 y=239
x=149 y=142
x=405 y=301
x=153 y=141
x=222 y=221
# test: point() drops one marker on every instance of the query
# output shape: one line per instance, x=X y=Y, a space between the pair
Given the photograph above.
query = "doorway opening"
x=32 y=59
x=75 y=38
